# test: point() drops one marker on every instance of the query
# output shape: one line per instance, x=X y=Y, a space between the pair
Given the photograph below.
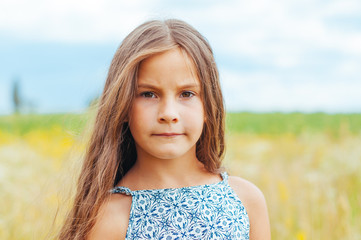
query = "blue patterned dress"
x=211 y=211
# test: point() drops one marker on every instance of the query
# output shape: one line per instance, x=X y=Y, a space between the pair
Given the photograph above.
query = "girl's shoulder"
x=248 y=192
x=255 y=204
x=112 y=220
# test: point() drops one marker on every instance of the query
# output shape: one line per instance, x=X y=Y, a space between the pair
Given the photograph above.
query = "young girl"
x=152 y=167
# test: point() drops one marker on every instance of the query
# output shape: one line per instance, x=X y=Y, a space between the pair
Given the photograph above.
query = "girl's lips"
x=168 y=134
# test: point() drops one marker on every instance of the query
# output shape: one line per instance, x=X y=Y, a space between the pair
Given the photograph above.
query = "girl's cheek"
x=146 y=102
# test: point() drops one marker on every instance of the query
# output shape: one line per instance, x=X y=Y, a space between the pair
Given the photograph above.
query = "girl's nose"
x=168 y=112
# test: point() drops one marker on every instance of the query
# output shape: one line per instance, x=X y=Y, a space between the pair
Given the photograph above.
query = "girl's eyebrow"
x=145 y=85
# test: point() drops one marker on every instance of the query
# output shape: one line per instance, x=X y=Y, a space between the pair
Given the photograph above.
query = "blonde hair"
x=111 y=150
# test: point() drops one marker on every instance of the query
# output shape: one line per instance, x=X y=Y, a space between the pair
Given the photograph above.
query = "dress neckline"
x=127 y=191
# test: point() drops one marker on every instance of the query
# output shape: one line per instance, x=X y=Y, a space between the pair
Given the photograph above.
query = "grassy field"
x=307 y=165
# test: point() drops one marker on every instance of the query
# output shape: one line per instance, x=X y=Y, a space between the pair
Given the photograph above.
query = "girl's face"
x=167 y=115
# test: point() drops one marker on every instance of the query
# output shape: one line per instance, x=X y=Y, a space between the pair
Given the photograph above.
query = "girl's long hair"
x=111 y=149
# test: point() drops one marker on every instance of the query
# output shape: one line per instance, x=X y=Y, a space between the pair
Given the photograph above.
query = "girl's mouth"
x=168 y=134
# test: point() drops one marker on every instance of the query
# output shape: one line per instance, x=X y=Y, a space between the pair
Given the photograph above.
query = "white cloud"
x=268 y=92
x=282 y=31
x=255 y=28
x=71 y=21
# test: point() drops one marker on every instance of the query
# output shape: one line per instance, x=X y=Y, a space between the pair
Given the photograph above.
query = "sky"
x=283 y=56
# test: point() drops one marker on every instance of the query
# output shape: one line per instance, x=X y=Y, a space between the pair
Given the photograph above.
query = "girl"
x=152 y=167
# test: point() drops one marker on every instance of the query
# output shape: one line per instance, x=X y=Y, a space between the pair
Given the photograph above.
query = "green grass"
x=253 y=123
x=23 y=124
x=294 y=123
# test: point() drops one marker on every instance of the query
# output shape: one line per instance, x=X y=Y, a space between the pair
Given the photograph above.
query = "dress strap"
x=224 y=176
x=122 y=190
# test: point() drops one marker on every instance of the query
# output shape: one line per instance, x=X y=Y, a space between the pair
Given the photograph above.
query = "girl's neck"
x=167 y=173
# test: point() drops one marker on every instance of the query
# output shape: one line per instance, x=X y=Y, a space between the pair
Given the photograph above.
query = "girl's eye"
x=148 y=95
x=187 y=94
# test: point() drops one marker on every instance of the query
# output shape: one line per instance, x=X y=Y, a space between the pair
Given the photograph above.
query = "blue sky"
x=272 y=56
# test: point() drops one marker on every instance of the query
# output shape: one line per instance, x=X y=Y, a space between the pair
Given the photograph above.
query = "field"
x=307 y=165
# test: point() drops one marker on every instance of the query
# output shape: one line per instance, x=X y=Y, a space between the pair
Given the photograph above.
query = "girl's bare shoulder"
x=112 y=220
x=256 y=207
x=246 y=191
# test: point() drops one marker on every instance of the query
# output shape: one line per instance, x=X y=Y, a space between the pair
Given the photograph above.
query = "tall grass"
x=334 y=125
x=22 y=124
x=307 y=165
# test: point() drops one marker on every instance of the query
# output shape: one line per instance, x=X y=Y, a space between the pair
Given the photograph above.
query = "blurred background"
x=291 y=78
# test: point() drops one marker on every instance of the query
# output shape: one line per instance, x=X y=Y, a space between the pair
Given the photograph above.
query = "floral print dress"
x=211 y=211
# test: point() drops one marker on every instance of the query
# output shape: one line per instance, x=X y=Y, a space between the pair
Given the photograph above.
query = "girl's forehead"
x=170 y=67
x=173 y=57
